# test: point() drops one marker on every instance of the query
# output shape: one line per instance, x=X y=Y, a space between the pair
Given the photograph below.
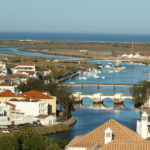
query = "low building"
x=31 y=108
x=4 y=119
x=15 y=78
x=110 y=136
x=46 y=120
x=8 y=86
x=44 y=97
x=5 y=113
x=26 y=69
x=3 y=68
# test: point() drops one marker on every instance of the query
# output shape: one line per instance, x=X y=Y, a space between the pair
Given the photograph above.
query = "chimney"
x=108 y=136
x=144 y=127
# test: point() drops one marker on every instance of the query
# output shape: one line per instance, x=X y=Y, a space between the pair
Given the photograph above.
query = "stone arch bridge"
x=99 y=97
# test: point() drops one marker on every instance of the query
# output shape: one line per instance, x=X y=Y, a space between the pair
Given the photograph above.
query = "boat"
x=110 y=71
x=82 y=78
x=103 y=77
x=96 y=76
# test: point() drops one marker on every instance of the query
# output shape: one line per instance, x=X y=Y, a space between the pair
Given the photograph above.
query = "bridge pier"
x=98 y=87
x=97 y=100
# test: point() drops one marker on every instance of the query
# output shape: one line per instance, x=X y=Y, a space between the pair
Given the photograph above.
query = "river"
x=91 y=116
x=10 y=51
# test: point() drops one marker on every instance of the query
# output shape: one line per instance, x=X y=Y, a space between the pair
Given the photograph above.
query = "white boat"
x=103 y=77
x=96 y=76
x=107 y=66
x=110 y=71
x=116 y=70
x=82 y=78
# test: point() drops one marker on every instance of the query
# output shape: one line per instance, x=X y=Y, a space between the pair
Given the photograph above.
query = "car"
x=5 y=131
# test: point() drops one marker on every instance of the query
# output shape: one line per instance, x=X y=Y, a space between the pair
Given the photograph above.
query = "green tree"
x=140 y=92
x=65 y=99
x=34 y=142
x=51 y=88
x=32 y=84
x=53 y=147
x=8 y=142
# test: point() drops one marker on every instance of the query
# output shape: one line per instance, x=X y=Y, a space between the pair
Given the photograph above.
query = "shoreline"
x=58 y=128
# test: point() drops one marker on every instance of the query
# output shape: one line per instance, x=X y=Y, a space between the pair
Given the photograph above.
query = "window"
x=144 y=118
x=108 y=134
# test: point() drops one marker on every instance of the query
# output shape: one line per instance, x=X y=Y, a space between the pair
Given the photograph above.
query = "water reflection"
x=108 y=102
x=87 y=101
x=91 y=117
x=127 y=102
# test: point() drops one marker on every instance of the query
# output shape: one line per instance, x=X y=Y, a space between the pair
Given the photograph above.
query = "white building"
x=4 y=119
x=3 y=68
x=32 y=108
x=7 y=86
x=46 y=120
x=24 y=111
x=142 y=126
x=26 y=69
x=5 y=112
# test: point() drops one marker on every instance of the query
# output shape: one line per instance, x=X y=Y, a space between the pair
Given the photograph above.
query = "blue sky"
x=75 y=16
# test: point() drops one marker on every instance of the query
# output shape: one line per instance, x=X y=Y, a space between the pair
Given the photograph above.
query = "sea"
x=78 y=37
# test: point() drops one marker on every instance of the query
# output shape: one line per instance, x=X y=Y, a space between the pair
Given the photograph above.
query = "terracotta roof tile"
x=36 y=95
x=8 y=94
x=28 y=72
x=127 y=145
x=8 y=103
x=96 y=136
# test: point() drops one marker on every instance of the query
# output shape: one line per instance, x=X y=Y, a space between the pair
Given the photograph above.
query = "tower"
x=144 y=127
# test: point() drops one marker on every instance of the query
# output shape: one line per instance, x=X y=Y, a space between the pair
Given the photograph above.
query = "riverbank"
x=58 y=128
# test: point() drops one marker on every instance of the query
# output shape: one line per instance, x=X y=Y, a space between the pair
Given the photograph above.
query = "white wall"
x=32 y=108
x=6 y=88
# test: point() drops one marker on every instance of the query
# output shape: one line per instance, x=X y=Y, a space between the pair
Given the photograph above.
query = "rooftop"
x=36 y=95
x=127 y=145
x=28 y=72
x=8 y=103
x=8 y=94
x=26 y=64
x=96 y=137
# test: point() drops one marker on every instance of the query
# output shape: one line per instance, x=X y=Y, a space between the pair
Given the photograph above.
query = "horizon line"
x=141 y=34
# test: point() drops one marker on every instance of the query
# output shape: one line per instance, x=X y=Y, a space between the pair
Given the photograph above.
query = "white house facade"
x=32 y=108
x=143 y=125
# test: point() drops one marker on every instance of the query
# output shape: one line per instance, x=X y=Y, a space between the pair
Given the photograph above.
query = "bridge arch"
x=108 y=102
x=128 y=102
x=87 y=101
